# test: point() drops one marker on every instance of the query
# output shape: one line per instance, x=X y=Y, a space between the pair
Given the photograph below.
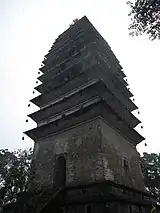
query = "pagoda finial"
x=74 y=21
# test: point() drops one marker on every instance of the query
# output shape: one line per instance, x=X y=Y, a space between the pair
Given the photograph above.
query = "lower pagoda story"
x=82 y=169
x=85 y=157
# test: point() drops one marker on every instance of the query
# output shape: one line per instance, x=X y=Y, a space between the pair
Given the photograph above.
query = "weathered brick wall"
x=116 y=149
x=80 y=145
x=84 y=153
x=93 y=151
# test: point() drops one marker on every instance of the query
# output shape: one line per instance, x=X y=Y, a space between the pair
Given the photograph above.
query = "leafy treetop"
x=145 y=18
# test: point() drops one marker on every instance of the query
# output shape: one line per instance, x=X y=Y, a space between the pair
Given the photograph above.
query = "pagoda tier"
x=87 y=72
x=82 y=80
x=68 y=52
x=78 y=57
x=75 y=99
x=91 y=109
x=77 y=70
x=85 y=32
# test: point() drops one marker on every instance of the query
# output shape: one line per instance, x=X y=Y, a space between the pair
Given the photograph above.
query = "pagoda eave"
x=91 y=112
x=41 y=78
x=40 y=101
x=37 y=100
x=87 y=93
x=123 y=75
x=99 y=75
x=39 y=88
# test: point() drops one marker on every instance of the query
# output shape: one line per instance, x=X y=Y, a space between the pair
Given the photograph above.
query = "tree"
x=150 y=164
x=14 y=173
x=145 y=18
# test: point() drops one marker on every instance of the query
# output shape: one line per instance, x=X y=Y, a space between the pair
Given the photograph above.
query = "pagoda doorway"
x=60 y=171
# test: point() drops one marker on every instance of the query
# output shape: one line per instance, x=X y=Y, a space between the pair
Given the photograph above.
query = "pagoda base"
x=98 y=197
x=101 y=197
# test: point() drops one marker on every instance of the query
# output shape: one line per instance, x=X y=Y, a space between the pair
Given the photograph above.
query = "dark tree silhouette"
x=14 y=173
x=145 y=18
x=150 y=164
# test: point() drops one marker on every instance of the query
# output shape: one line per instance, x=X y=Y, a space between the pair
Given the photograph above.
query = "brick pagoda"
x=85 y=157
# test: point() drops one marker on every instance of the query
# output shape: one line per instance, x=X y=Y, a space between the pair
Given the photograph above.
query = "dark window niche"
x=60 y=171
x=83 y=191
x=125 y=164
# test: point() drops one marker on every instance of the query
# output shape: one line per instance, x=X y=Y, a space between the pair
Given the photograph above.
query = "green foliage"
x=150 y=164
x=145 y=18
x=14 y=173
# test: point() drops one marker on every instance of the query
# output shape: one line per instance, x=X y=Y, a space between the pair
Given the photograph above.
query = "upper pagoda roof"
x=82 y=25
x=82 y=79
x=96 y=72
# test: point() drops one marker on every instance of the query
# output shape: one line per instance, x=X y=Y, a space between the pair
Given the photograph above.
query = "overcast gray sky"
x=28 y=28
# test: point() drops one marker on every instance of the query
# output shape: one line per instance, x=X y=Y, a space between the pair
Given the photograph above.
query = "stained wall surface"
x=93 y=151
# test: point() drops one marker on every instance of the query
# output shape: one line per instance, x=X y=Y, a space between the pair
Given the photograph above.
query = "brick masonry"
x=94 y=151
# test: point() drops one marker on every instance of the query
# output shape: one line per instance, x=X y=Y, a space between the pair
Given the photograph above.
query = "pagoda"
x=85 y=157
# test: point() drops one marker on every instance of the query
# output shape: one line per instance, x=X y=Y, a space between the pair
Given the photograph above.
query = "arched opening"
x=60 y=171
x=83 y=191
x=88 y=209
